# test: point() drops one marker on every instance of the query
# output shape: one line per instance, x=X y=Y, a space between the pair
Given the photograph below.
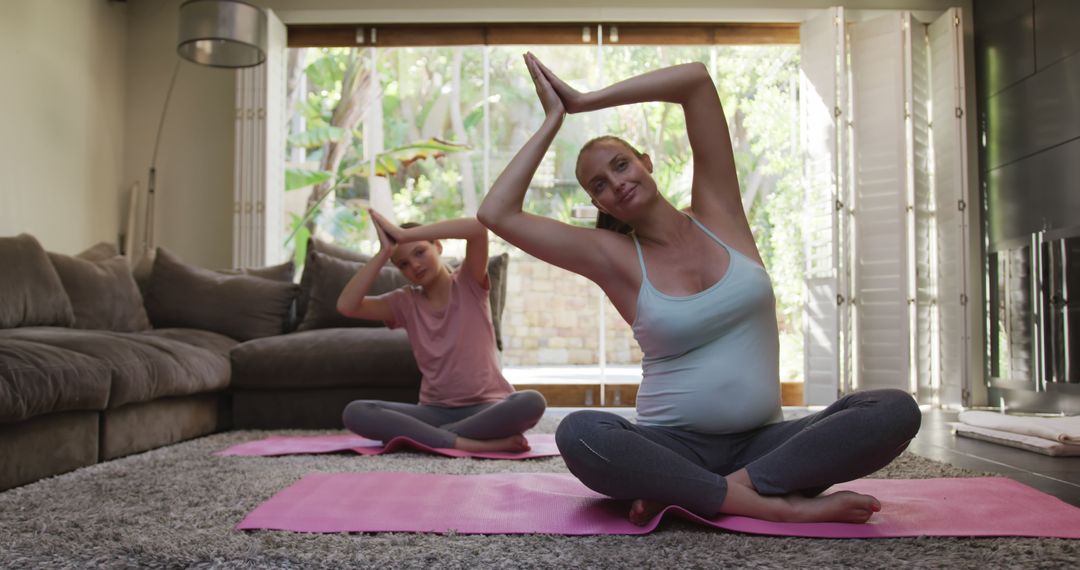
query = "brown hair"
x=605 y=221
x=407 y=225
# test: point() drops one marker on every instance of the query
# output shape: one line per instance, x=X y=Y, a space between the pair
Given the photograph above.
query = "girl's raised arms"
x=468 y=229
x=354 y=301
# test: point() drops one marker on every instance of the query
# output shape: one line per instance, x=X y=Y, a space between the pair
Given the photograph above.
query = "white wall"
x=61 y=121
x=195 y=159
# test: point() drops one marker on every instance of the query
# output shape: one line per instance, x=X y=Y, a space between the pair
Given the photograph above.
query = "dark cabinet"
x=1033 y=313
x=1060 y=311
x=1011 y=317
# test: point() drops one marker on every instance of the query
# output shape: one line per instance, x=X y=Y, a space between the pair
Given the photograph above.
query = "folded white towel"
x=1063 y=429
x=1025 y=442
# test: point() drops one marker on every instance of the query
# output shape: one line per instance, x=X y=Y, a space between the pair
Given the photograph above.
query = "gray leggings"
x=855 y=436
x=435 y=426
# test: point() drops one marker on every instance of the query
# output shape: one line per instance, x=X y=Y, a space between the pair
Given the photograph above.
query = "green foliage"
x=419 y=201
x=298 y=225
x=318 y=136
x=300 y=234
x=427 y=174
x=296 y=178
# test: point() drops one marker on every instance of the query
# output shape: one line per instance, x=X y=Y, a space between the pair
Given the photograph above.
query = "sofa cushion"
x=143 y=367
x=102 y=291
x=326 y=358
x=38 y=379
x=314 y=246
x=144 y=268
x=100 y=251
x=284 y=272
x=327 y=277
x=280 y=272
x=498 y=270
x=240 y=306
x=31 y=290
x=212 y=341
x=327 y=248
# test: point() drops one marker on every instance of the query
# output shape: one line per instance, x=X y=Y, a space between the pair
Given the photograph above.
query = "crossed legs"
x=484 y=427
x=772 y=472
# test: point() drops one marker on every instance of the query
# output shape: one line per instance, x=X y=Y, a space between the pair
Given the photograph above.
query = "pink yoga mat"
x=557 y=503
x=543 y=445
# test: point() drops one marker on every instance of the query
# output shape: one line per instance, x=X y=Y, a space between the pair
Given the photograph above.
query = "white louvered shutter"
x=950 y=190
x=882 y=323
x=922 y=283
x=259 y=164
x=822 y=109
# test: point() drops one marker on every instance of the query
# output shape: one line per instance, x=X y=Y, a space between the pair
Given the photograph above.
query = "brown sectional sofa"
x=79 y=384
x=306 y=378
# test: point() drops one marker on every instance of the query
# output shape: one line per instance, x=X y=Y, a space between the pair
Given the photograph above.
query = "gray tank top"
x=711 y=359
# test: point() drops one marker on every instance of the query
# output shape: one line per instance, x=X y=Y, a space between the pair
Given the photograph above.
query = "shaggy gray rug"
x=176 y=507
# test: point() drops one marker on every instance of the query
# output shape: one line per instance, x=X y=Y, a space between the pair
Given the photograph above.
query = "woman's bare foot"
x=514 y=443
x=642 y=511
x=842 y=506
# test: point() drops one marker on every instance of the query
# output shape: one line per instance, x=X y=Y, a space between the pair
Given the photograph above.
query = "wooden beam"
x=756 y=34
x=541 y=34
x=324 y=36
x=406 y=35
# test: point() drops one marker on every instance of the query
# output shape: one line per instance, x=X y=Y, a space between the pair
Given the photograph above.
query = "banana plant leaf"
x=299 y=235
x=303 y=177
x=389 y=162
x=318 y=136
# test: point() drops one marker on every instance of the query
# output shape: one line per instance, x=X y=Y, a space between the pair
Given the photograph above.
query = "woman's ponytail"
x=605 y=221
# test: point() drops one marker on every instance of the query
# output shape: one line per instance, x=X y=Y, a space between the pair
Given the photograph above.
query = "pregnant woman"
x=709 y=434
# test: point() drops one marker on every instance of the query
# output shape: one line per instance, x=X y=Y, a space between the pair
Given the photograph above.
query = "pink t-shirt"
x=454 y=346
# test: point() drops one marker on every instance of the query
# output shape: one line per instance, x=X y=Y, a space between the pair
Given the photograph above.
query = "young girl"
x=709 y=435
x=465 y=402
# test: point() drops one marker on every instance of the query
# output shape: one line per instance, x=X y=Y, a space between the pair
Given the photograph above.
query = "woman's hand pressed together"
x=573 y=100
x=550 y=99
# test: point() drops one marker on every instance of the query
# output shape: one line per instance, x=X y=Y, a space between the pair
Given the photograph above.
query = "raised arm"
x=354 y=301
x=580 y=250
x=468 y=229
x=715 y=183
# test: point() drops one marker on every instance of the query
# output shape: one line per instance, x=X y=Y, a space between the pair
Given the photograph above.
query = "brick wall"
x=551 y=318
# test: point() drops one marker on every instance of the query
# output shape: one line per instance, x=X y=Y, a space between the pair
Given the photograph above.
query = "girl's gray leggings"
x=855 y=436
x=439 y=427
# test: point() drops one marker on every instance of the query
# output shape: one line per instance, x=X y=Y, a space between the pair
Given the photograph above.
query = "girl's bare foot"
x=642 y=511
x=514 y=443
x=842 y=506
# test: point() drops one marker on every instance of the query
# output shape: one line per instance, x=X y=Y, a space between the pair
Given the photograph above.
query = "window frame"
x=419 y=35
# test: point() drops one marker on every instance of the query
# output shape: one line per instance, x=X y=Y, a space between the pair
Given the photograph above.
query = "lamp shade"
x=222 y=33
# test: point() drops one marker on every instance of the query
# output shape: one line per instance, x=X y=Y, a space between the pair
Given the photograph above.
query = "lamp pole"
x=151 y=181
x=216 y=33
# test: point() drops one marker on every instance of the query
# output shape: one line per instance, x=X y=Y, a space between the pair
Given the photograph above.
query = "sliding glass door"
x=419 y=123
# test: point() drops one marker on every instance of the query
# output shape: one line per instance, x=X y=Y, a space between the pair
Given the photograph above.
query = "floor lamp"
x=217 y=33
